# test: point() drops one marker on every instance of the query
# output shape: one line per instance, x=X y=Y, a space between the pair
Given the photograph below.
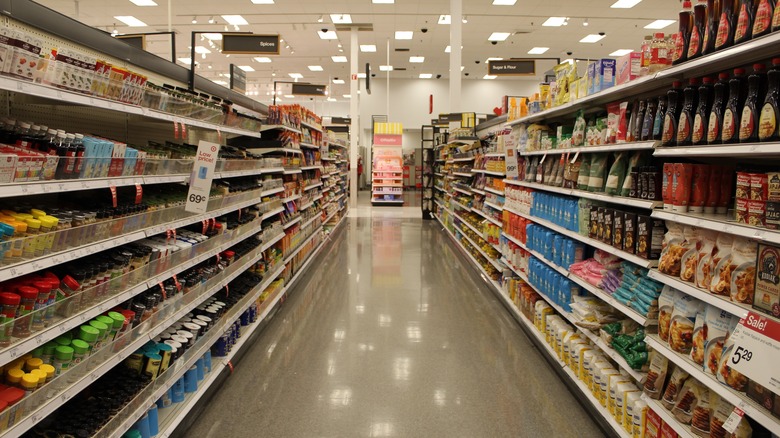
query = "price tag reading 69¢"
x=756 y=350
x=202 y=175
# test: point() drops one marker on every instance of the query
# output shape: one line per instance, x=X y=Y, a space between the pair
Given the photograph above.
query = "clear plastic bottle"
x=658 y=53
x=646 y=55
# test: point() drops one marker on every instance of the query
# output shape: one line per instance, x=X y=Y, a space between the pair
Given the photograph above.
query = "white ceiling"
x=296 y=21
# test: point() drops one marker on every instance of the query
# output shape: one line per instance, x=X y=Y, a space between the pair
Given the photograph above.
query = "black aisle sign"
x=137 y=41
x=512 y=67
x=341 y=120
x=237 y=79
x=250 y=44
x=309 y=90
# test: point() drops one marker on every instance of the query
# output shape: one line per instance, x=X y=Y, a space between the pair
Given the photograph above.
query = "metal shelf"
x=748 y=150
x=721 y=224
x=631 y=202
x=494 y=191
x=488 y=172
x=485 y=215
x=642 y=145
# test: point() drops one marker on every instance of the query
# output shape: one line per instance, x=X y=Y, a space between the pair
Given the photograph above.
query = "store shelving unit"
x=387 y=167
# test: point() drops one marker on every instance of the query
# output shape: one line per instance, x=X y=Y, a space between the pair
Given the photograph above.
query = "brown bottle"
x=688 y=114
x=726 y=24
x=776 y=19
x=683 y=35
x=732 y=114
x=762 y=25
x=748 y=127
x=711 y=27
x=745 y=18
x=770 y=112
x=672 y=116
x=696 y=43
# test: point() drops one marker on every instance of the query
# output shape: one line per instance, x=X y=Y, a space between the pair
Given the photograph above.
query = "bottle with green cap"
x=48 y=352
x=102 y=332
x=117 y=321
x=63 y=356
x=109 y=322
x=80 y=351
x=90 y=335
x=132 y=433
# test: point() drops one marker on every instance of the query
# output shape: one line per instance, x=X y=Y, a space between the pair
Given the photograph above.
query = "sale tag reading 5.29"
x=757 y=350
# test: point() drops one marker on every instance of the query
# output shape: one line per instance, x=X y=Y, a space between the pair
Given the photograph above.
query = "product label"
x=698 y=129
x=713 y=128
x=724 y=29
x=706 y=35
x=693 y=44
x=756 y=350
x=767 y=122
x=729 y=124
x=684 y=128
x=679 y=46
x=668 y=132
x=763 y=17
x=654 y=53
x=742 y=23
x=776 y=18
x=747 y=124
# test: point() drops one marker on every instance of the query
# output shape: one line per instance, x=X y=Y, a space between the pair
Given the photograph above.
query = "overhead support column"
x=456 y=57
x=354 y=114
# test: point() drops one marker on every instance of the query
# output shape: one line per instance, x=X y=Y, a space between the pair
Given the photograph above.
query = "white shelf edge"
x=702 y=295
x=640 y=145
x=720 y=224
x=633 y=202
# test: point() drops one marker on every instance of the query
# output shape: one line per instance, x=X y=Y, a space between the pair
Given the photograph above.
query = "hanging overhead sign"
x=137 y=41
x=309 y=90
x=512 y=67
x=250 y=44
x=237 y=79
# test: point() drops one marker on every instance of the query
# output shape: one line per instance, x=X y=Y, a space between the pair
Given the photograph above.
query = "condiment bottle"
x=644 y=66
x=647 y=123
x=762 y=24
x=731 y=116
x=776 y=19
x=746 y=15
x=726 y=25
x=683 y=35
x=770 y=112
x=62 y=358
x=9 y=303
x=117 y=322
x=23 y=314
x=748 y=126
x=696 y=43
x=80 y=351
x=90 y=335
x=658 y=53
x=711 y=28
x=699 y=136
x=687 y=116
x=658 y=122
x=78 y=144
x=715 y=121
x=672 y=116
x=62 y=153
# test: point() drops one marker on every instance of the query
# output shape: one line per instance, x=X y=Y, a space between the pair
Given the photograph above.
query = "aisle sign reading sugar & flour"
x=756 y=350
x=202 y=175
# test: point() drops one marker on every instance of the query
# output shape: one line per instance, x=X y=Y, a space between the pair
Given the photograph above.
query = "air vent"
x=399 y=68
x=401 y=50
x=362 y=27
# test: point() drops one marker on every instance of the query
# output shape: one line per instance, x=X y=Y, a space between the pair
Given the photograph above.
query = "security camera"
x=466 y=74
x=438 y=76
x=476 y=62
x=569 y=53
x=494 y=42
x=324 y=30
x=424 y=30
x=602 y=33
x=373 y=75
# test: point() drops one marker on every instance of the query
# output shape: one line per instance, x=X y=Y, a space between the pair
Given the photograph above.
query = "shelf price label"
x=511 y=163
x=757 y=350
x=202 y=175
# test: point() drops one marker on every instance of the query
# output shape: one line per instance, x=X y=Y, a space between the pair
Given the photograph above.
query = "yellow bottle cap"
x=37 y=213
x=48 y=369
x=18 y=363
x=21 y=226
x=41 y=375
x=29 y=381
x=33 y=224
x=49 y=221
x=33 y=364
x=14 y=376
x=24 y=216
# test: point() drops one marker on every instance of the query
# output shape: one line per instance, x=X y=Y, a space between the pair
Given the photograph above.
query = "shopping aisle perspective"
x=392 y=334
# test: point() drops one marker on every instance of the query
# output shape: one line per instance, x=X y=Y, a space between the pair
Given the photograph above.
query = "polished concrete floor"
x=393 y=335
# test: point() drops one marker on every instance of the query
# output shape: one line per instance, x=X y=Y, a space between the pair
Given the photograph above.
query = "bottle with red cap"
x=770 y=112
x=23 y=322
x=68 y=303
x=9 y=304
x=731 y=116
x=699 y=135
x=696 y=43
x=683 y=35
x=672 y=116
x=39 y=312
x=748 y=126
x=745 y=18
x=719 y=99
x=687 y=115
x=762 y=24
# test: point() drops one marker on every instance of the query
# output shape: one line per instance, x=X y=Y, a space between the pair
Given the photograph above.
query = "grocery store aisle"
x=392 y=334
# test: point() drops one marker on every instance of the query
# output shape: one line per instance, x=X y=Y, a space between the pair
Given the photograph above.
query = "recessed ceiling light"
x=404 y=34
x=499 y=36
x=341 y=18
x=221 y=83
x=263 y=59
x=504 y=2
x=347 y=96
x=213 y=36
x=592 y=38
x=296 y=75
x=315 y=68
x=361 y=75
x=383 y=2
x=554 y=22
x=329 y=35
x=494 y=59
x=660 y=24
x=235 y=20
x=367 y=48
x=289 y=96
x=538 y=50
x=186 y=61
x=385 y=68
x=625 y=4
x=263 y=2
x=130 y=21
x=445 y=19
x=246 y=67
x=338 y=81
x=426 y=75
x=621 y=52
x=339 y=58
x=416 y=59
x=448 y=49
x=201 y=49
x=143 y=2
x=331 y=99
x=488 y=77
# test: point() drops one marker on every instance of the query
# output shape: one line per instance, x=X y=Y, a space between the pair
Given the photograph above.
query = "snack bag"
x=672 y=250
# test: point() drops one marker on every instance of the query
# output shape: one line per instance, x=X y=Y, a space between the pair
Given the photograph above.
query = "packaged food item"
x=731 y=116
x=617 y=174
x=649 y=237
x=704 y=264
x=578 y=134
x=743 y=185
x=656 y=375
x=609 y=216
x=624 y=391
x=741 y=211
x=676 y=381
x=665 y=309
x=639 y=419
x=717 y=323
x=759 y=187
x=687 y=400
x=682 y=324
x=756 y=213
x=770 y=112
x=629 y=232
x=653 y=425
x=744 y=274
x=721 y=412
x=672 y=116
x=613 y=120
x=699 y=336
x=726 y=374
x=683 y=174
x=584 y=176
x=690 y=258
x=614 y=383
x=688 y=114
x=667 y=431
x=715 y=121
x=667 y=190
x=700 y=185
x=721 y=263
x=701 y=412
x=761 y=395
x=622 y=124
x=767 y=288
x=727 y=23
x=673 y=250
x=618 y=228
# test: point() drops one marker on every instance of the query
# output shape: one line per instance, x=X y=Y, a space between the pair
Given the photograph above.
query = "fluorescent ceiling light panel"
x=201 y=49
x=426 y=75
x=621 y=52
x=341 y=18
x=315 y=68
x=499 y=36
x=263 y=2
x=143 y=2
x=289 y=96
x=213 y=36
x=235 y=20
x=504 y=2
x=263 y=59
x=445 y=19
x=338 y=81
x=367 y=48
x=385 y=68
x=383 y=2
x=329 y=35
x=246 y=67
x=185 y=60
x=296 y=75
x=538 y=50
x=494 y=59
x=221 y=83
x=404 y=34
x=660 y=24
x=347 y=96
x=339 y=58
x=592 y=38
x=130 y=21
x=417 y=59
x=488 y=77
x=361 y=75
x=625 y=4
x=554 y=22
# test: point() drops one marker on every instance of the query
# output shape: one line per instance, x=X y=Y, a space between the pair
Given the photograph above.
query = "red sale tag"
x=205 y=226
x=183 y=131
x=756 y=350
x=731 y=423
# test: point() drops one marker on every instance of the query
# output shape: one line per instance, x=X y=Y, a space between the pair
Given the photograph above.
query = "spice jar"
x=102 y=333
x=23 y=313
x=9 y=303
x=12 y=397
x=33 y=363
x=49 y=370
x=41 y=375
x=63 y=356
x=13 y=377
x=44 y=290
x=29 y=383
x=33 y=246
x=69 y=304
x=90 y=335
x=48 y=227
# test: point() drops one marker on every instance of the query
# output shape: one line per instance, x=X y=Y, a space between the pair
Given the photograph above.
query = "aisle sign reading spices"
x=756 y=350
x=202 y=175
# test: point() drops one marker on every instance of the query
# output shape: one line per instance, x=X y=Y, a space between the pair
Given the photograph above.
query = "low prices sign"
x=756 y=350
x=201 y=177
x=388 y=139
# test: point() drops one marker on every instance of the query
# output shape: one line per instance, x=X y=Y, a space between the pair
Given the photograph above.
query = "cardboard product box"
x=117 y=159
x=667 y=431
x=756 y=213
x=766 y=296
x=591 y=78
x=605 y=75
x=609 y=216
x=653 y=424
x=600 y=232
x=627 y=67
x=593 y=229
x=776 y=408
x=7 y=167
x=649 y=237
x=761 y=395
x=773 y=215
x=131 y=157
x=618 y=229
x=629 y=233
x=773 y=186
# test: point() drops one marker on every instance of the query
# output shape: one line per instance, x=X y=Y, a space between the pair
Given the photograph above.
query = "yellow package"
x=587 y=358
x=623 y=389
x=639 y=425
x=567 y=344
x=628 y=409
x=604 y=385
x=614 y=381
x=599 y=364
x=538 y=308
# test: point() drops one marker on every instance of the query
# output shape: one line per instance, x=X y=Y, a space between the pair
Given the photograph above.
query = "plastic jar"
x=9 y=303
x=33 y=364
x=24 y=313
x=63 y=356
x=102 y=335
x=90 y=335
x=39 y=315
x=62 y=236
x=80 y=351
x=48 y=352
x=48 y=227
x=17 y=244
x=166 y=352
x=54 y=292
x=49 y=370
x=117 y=323
x=6 y=235
x=12 y=396
x=76 y=235
x=13 y=377
x=29 y=383
x=70 y=288
x=41 y=375
x=152 y=367
x=229 y=256
x=177 y=348
x=32 y=244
